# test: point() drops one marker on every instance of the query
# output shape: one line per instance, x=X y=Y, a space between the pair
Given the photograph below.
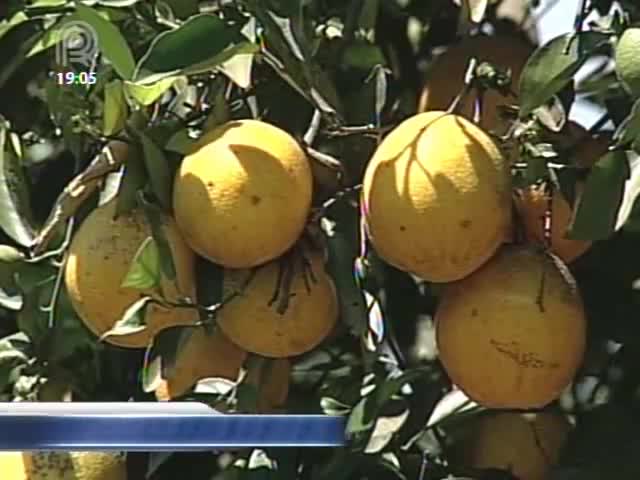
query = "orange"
x=100 y=257
x=242 y=197
x=513 y=333
x=436 y=197
x=446 y=76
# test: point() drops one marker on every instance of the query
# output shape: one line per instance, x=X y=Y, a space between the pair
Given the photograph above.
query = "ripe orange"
x=513 y=333
x=212 y=355
x=446 y=76
x=526 y=444
x=252 y=321
x=242 y=197
x=436 y=197
x=99 y=259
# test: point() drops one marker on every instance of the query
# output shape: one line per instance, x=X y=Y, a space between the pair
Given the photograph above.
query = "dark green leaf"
x=196 y=45
x=114 y=115
x=133 y=181
x=183 y=8
x=15 y=208
x=144 y=271
x=151 y=370
x=597 y=209
x=342 y=254
x=156 y=460
x=209 y=283
x=132 y=321
x=168 y=343
x=112 y=44
x=552 y=66
x=158 y=171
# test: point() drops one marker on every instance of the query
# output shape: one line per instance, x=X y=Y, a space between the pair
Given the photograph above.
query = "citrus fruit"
x=627 y=60
x=526 y=444
x=436 y=197
x=242 y=197
x=63 y=466
x=532 y=203
x=212 y=355
x=446 y=76
x=254 y=321
x=513 y=333
x=100 y=256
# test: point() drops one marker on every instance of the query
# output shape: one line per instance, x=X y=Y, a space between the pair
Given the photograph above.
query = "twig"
x=51 y=307
x=314 y=126
x=580 y=15
x=78 y=190
x=372 y=130
x=325 y=159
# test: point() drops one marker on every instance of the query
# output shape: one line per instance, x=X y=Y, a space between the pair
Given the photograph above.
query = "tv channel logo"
x=78 y=45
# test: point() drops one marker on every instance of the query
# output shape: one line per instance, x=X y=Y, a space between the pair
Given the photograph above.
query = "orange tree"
x=370 y=208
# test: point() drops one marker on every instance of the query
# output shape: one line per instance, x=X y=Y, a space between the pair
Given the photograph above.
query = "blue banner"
x=148 y=432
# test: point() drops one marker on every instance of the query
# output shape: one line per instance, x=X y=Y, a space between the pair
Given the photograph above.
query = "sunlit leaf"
x=144 y=271
x=553 y=65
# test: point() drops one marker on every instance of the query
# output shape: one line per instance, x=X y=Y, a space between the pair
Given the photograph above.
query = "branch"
x=79 y=189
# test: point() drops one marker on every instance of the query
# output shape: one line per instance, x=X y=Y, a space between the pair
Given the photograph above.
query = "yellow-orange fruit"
x=212 y=355
x=513 y=333
x=100 y=257
x=437 y=197
x=446 y=76
x=252 y=321
x=242 y=197
x=63 y=466
x=526 y=444
x=532 y=203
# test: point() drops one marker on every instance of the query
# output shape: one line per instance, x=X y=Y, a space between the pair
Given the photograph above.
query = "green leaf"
x=552 y=66
x=629 y=129
x=10 y=254
x=132 y=321
x=197 y=45
x=146 y=94
x=112 y=44
x=15 y=20
x=144 y=271
x=115 y=110
x=475 y=9
x=117 y=3
x=158 y=171
x=597 y=208
x=238 y=69
x=158 y=220
x=15 y=208
x=15 y=350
